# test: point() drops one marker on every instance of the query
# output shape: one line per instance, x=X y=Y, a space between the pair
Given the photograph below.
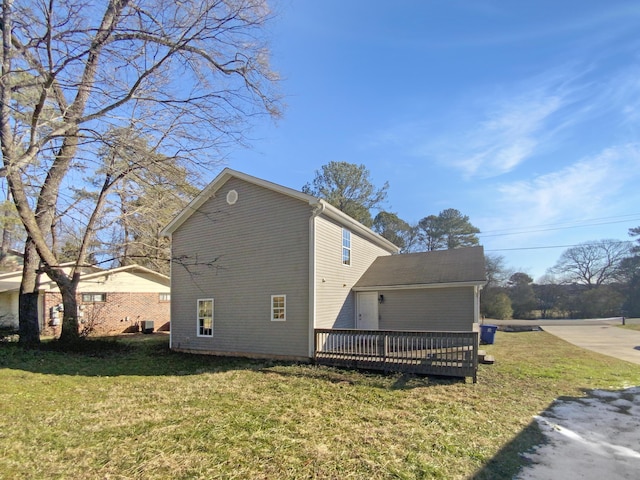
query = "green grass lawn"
x=136 y=410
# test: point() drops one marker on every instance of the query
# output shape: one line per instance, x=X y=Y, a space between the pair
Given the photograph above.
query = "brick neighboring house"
x=109 y=301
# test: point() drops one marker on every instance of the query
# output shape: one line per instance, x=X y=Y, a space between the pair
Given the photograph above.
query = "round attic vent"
x=232 y=197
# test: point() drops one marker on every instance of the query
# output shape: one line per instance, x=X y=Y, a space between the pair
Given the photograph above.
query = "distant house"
x=11 y=260
x=109 y=301
x=258 y=267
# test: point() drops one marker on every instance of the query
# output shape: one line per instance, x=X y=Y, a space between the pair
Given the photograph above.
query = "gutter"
x=417 y=286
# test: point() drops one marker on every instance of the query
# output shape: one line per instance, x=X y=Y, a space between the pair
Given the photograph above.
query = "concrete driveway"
x=606 y=339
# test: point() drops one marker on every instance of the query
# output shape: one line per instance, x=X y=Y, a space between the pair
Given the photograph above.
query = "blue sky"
x=525 y=116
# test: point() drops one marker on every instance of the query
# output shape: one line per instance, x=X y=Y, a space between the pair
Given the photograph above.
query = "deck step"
x=487 y=359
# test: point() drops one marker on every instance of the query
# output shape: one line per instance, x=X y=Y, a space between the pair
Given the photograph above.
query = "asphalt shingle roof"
x=441 y=266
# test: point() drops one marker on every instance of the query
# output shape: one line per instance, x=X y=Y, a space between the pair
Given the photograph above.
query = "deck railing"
x=430 y=353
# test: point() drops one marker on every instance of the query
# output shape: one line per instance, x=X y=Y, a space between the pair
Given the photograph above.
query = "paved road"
x=572 y=322
x=606 y=339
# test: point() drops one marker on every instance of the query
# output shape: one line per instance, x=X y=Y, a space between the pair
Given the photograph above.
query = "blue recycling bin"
x=487 y=333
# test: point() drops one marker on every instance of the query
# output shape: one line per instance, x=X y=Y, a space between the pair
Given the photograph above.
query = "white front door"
x=367 y=311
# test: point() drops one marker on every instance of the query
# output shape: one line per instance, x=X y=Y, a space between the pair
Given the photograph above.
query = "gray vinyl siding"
x=240 y=255
x=433 y=309
x=335 y=302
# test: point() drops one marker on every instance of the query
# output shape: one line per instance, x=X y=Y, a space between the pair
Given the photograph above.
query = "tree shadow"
x=510 y=459
x=149 y=355
x=123 y=355
x=407 y=381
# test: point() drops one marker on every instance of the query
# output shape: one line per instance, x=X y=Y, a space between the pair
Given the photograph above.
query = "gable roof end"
x=217 y=183
x=325 y=207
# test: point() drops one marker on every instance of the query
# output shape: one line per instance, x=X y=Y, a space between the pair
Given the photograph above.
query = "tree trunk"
x=28 y=328
x=70 y=328
x=28 y=325
x=6 y=237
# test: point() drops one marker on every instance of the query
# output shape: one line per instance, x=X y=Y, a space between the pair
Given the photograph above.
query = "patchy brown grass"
x=139 y=411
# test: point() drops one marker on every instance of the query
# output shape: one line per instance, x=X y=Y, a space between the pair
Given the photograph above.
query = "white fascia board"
x=11 y=276
x=126 y=268
x=418 y=286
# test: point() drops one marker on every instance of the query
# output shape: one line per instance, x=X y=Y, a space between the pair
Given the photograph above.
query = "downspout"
x=476 y=306
x=318 y=209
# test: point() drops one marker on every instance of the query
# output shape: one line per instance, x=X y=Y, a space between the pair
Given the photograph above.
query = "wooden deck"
x=452 y=354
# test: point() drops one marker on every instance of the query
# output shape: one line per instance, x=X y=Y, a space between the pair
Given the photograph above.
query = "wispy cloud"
x=511 y=133
x=623 y=92
x=591 y=187
x=497 y=132
x=486 y=137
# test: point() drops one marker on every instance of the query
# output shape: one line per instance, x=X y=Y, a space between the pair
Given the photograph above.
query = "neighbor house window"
x=165 y=297
x=278 y=308
x=346 y=247
x=205 y=317
x=94 y=297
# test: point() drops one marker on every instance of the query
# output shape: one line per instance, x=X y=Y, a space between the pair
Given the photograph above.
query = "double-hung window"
x=278 y=308
x=346 y=247
x=205 y=317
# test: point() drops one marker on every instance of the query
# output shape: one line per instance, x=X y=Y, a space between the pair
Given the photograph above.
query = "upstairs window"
x=346 y=247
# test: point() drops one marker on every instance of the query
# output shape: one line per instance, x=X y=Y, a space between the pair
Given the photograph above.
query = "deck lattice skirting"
x=452 y=354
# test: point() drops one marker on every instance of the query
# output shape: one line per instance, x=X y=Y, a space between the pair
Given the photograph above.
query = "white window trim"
x=345 y=230
x=198 y=316
x=284 y=319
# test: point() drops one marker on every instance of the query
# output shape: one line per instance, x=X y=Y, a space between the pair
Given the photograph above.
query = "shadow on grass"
x=372 y=378
x=149 y=355
x=509 y=460
x=135 y=354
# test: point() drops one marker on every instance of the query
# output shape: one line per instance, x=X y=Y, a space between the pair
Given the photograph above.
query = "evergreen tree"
x=349 y=188
x=396 y=230
x=449 y=229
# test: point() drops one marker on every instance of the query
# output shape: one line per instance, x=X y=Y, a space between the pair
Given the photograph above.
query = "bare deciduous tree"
x=144 y=202
x=188 y=74
x=592 y=263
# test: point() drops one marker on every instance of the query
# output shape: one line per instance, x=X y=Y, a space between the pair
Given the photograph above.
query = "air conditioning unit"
x=147 y=326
